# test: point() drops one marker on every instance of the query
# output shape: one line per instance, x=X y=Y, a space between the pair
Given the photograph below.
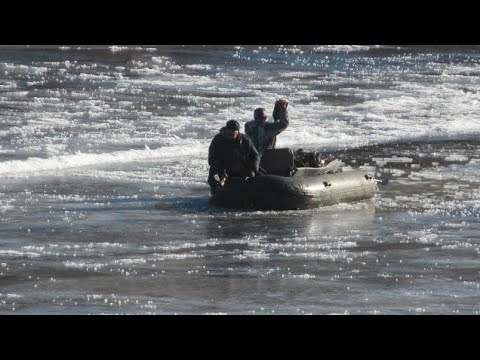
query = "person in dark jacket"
x=231 y=154
x=263 y=133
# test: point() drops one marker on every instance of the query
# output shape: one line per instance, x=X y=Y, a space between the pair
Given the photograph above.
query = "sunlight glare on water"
x=103 y=196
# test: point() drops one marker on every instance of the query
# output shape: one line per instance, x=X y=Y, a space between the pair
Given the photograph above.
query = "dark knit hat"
x=233 y=125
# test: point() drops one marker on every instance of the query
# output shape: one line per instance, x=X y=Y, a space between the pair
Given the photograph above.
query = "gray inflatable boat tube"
x=307 y=188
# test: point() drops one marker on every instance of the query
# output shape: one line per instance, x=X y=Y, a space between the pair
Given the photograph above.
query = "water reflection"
x=320 y=222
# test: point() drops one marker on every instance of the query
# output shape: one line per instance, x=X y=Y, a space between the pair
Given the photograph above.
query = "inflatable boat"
x=286 y=187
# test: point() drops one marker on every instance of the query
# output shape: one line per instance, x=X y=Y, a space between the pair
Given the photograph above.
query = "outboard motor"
x=307 y=158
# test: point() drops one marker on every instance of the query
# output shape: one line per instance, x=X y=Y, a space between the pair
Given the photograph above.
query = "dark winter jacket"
x=264 y=136
x=236 y=157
